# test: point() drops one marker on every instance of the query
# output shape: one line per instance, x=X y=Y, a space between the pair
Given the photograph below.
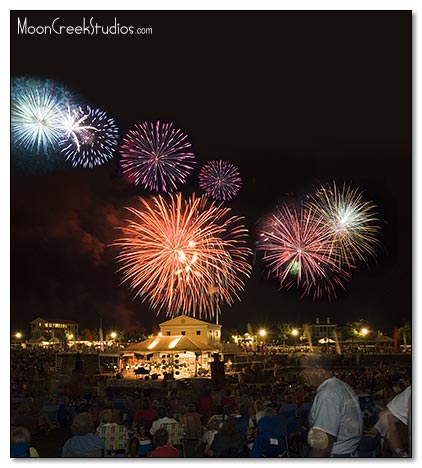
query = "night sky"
x=294 y=99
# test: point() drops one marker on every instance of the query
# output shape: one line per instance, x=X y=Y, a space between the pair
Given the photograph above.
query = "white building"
x=48 y=328
x=208 y=333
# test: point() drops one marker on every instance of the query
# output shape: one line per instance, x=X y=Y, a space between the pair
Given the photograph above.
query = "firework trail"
x=184 y=256
x=36 y=114
x=353 y=222
x=91 y=137
x=298 y=250
x=220 y=180
x=155 y=156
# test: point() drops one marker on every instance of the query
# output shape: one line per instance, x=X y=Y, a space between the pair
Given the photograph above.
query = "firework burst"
x=36 y=115
x=298 y=250
x=155 y=156
x=184 y=256
x=91 y=137
x=220 y=180
x=353 y=222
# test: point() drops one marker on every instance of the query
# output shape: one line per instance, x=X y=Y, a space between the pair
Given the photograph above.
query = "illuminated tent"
x=171 y=345
x=179 y=343
x=325 y=340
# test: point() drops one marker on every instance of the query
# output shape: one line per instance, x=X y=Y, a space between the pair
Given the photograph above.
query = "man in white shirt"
x=335 y=418
x=162 y=418
x=394 y=422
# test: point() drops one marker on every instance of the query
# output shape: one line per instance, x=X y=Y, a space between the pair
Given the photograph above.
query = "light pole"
x=364 y=332
x=17 y=337
x=262 y=334
x=295 y=333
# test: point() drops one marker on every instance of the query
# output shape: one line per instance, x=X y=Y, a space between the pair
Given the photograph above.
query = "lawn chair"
x=176 y=435
x=271 y=440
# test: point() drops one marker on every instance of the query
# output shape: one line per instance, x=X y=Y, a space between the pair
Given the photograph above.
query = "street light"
x=262 y=334
x=18 y=335
x=364 y=331
x=295 y=333
x=113 y=335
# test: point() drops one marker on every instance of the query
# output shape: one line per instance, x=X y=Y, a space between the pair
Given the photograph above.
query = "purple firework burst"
x=298 y=250
x=220 y=180
x=154 y=155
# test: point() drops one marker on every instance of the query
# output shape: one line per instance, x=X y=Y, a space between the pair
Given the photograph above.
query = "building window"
x=183 y=333
x=168 y=333
x=198 y=332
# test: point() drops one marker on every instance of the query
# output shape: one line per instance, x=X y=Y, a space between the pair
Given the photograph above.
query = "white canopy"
x=326 y=340
x=177 y=343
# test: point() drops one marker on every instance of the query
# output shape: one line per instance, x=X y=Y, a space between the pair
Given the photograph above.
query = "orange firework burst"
x=184 y=256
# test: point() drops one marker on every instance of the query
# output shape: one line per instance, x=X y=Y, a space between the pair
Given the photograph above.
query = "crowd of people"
x=295 y=415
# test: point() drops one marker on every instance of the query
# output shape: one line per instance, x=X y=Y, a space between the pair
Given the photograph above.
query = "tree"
x=405 y=332
x=228 y=334
x=284 y=332
x=354 y=329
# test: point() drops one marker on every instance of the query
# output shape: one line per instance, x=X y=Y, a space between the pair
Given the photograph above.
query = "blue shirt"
x=82 y=444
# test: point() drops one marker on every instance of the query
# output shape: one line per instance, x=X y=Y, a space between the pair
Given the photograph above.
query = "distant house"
x=48 y=328
x=323 y=330
x=208 y=333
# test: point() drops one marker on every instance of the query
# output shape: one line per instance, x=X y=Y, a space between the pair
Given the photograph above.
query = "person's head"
x=82 y=424
x=20 y=435
x=161 y=438
x=106 y=416
x=132 y=447
x=270 y=411
x=19 y=442
x=259 y=405
x=191 y=408
x=212 y=424
x=316 y=368
x=162 y=412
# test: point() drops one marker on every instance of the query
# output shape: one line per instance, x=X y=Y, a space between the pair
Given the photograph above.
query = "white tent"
x=325 y=340
x=178 y=343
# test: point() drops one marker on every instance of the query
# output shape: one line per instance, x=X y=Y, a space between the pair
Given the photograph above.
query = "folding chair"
x=271 y=440
x=176 y=435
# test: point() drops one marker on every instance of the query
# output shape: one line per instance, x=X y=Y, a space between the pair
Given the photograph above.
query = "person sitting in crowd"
x=212 y=427
x=393 y=424
x=335 y=417
x=227 y=442
x=162 y=419
x=20 y=444
x=132 y=448
x=113 y=434
x=162 y=448
x=146 y=415
x=228 y=401
x=83 y=443
x=192 y=426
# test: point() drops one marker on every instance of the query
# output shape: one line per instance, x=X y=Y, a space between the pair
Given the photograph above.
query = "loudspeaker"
x=217 y=372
